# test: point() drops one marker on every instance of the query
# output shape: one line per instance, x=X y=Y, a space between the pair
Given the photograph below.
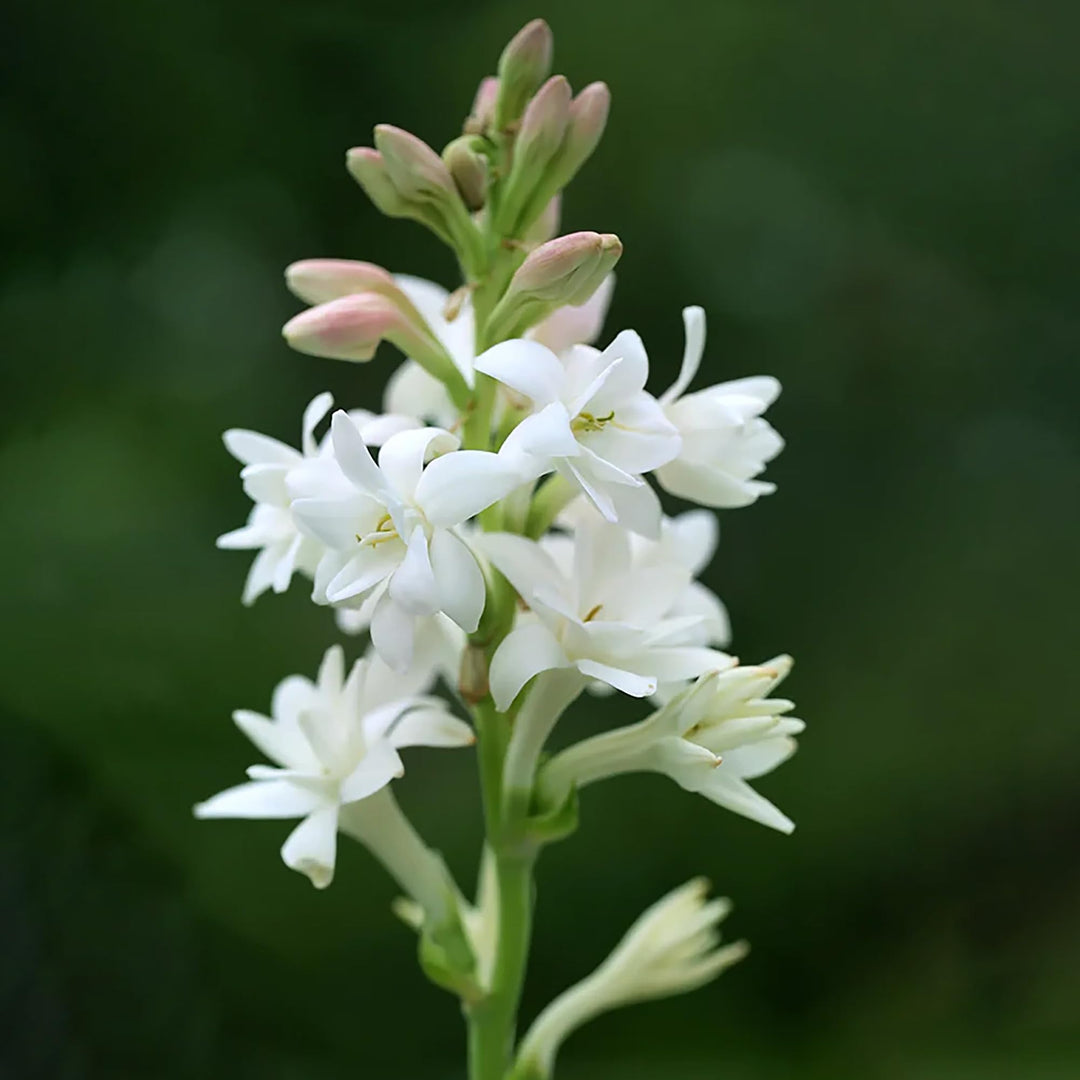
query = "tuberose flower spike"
x=496 y=532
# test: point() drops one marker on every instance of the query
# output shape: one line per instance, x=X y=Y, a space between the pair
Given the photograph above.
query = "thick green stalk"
x=493 y=1020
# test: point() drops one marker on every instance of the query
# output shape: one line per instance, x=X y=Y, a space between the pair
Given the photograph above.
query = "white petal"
x=728 y=791
x=411 y=391
x=624 y=380
x=413 y=585
x=317 y=408
x=637 y=508
x=311 y=847
x=378 y=767
x=353 y=456
x=528 y=367
x=524 y=563
x=265 y=483
x=431 y=727
x=458 y=336
x=279 y=742
x=457 y=486
x=626 y=681
x=524 y=652
x=261 y=799
x=694 y=328
x=402 y=457
x=254 y=449
x=538 y=439
x=392 y=632
x=459 y=580
x=368 y=568
x=756 y=759
x=261 y=575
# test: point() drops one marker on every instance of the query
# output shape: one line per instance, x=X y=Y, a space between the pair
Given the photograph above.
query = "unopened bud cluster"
x=496 y=527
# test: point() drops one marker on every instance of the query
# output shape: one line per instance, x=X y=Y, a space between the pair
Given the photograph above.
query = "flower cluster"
x=497 y=525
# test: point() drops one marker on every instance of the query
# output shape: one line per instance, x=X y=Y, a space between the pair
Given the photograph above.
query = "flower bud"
x=523 y=66
x=320 y=280
x=416 y=170
x=555 y=269
x=673 y=948
x=543 y=129
x=469 y=169
x=482 y=114
x=588 y=117
x=567 y=270
x=368 y=169
x=351 y=327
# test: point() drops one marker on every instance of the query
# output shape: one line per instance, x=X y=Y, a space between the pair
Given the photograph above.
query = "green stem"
x=493 y=1020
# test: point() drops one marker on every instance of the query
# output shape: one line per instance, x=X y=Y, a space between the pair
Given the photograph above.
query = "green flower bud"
x=523 y=66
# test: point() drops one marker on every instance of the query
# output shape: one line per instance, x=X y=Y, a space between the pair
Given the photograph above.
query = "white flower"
x=335 y=743
x=673 y=948
x=273 y=475
x=711 y=739
x=412 y=391
x=390 y=536
x=271 y=529
x=594 y=423
x=725 y=441
x=597 y=612
x=689 y=539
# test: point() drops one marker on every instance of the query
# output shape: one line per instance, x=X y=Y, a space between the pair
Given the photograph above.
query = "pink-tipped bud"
x=320 y=280
x=469 y=168
x=588 y=118
x=368 y=169
x=523 y=66
x=544 y=124
x=567 y=270
x=348 y=328
x=555 y=270
x=482 y=115
x=415 y=169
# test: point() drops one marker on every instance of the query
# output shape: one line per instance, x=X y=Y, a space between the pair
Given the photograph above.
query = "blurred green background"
x=877 y=203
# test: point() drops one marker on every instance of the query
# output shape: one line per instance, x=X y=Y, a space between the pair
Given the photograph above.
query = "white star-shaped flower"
x=593 y=422
x=335 y=742
x=726 y=442
x=390 y=537
x=593 y=608
x=711 y=739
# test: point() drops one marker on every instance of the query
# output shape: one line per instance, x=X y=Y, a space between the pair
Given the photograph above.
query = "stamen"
x=593 y=613
x=587 y=422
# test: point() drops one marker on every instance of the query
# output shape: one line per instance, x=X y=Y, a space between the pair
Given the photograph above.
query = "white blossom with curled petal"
x=412 y=391
x=673 y=948
x=283 y=548
x=334 y=742
x=725 y=441
x=594 y=423
x=390 y=535
x=598 y=612
x=710 y=739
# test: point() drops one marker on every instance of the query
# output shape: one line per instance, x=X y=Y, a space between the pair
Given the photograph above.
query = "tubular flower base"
x=505 y=541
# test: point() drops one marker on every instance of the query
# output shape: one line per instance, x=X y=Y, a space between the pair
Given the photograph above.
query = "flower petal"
x=413 y=585
x=524 y=652
x=526 y=366
x=316 y=410
x=431 y=727
x=261 y=799
x=457 y=486
x=353 y=456
x=694 y=329
x=626 y=681
x=524 y=563
x=459 y=581
x=311 y=848
x=626 y=376
x=402 y=456
x=392 y=632
x=379 y=766
x=254 y=449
